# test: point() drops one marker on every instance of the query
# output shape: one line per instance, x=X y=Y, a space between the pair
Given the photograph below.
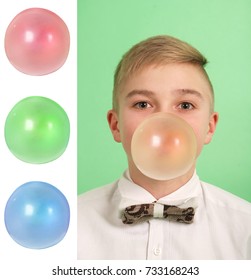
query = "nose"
x=164 y=108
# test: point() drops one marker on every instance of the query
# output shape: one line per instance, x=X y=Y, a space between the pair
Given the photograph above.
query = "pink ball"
x=37 y=42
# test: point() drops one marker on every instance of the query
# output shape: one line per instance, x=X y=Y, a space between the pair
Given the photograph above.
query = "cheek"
x=200 y=130
x=127 y=129
x=127 y=126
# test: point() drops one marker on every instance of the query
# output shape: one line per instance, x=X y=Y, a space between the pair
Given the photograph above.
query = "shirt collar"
x=132 y=193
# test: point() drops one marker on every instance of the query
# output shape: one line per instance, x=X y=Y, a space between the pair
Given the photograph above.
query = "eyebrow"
x=149 y=93
x=185 y=91
x=139 y=92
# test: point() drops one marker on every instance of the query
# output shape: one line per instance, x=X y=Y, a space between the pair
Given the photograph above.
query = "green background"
x=220 y=29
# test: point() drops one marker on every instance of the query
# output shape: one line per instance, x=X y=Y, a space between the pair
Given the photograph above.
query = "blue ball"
x=37 y=215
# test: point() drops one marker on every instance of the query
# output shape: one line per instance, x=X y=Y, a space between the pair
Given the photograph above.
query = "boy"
x=162 y=74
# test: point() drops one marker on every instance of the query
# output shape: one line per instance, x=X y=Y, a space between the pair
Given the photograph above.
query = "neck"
x=159 y=188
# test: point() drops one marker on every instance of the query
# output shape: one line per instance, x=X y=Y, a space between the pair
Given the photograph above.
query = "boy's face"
x=180 y=89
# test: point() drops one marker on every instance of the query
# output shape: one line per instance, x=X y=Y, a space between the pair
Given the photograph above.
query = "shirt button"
x=157 y=251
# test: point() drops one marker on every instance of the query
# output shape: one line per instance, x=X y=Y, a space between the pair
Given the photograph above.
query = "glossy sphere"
x=37 y=215
x=37 y=130
x=37 y=42
x=163 y=146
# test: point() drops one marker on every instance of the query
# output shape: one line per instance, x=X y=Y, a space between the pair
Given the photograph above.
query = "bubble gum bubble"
x=164 y=146
x=37 y=130
x=37 y=42
x=37 y=215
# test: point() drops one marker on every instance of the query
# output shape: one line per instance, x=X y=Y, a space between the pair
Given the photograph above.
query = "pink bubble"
x=37 y=42
x=164 y=146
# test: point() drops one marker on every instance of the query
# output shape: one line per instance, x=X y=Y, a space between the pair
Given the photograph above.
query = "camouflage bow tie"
x=143 y=212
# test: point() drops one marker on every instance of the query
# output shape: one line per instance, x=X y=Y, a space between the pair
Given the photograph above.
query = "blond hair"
x=158 y=50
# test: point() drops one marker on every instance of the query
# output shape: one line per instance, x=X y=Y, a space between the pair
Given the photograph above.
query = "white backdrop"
x=60 y=86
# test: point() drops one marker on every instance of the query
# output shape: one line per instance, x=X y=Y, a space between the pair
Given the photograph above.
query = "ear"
x=112 y=118
x=211 y=127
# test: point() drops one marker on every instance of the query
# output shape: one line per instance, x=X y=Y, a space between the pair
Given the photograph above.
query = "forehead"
x=169 y=78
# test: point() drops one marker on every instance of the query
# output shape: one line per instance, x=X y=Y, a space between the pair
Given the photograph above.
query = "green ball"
x=37 y=130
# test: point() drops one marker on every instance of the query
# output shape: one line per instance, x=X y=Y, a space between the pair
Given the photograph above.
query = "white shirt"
x=221 y=227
